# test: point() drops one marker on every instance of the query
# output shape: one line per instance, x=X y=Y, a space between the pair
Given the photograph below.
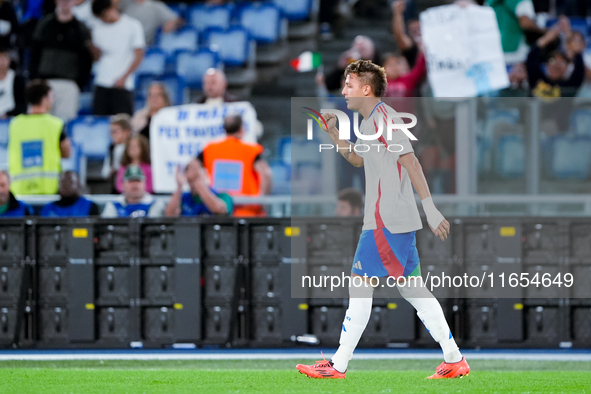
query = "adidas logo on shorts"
x=357 y=265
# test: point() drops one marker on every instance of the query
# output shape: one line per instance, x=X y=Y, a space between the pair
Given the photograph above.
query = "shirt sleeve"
x=228 y=200
x=165 y=13
x=525 y=8
x=63 y=134
x=138 y=39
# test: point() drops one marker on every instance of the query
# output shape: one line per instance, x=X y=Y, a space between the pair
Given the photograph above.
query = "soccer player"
x=387 y=245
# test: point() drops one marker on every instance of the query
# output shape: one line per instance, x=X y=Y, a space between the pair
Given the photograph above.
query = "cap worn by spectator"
x=135 y=202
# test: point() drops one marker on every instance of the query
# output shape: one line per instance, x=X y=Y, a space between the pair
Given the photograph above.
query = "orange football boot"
x=451 y=370
x=322 y=369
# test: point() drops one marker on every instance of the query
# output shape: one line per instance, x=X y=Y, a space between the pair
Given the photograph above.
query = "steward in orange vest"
x=237 y=167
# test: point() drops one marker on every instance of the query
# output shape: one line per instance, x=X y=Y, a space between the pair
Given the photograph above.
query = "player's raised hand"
x=331 y=122
x=442 y=231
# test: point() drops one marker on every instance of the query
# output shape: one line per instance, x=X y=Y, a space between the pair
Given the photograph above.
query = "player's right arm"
x=345 y=148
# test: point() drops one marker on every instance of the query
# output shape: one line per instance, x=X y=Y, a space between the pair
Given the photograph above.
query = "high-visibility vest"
x=230 y=164
x=34 y=157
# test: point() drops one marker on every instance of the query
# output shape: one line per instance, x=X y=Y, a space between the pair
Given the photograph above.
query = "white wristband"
x=434 y=217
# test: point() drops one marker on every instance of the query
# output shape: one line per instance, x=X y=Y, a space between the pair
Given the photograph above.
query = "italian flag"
x=307 y=61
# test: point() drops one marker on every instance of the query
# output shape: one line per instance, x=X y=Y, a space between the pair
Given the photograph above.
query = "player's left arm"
x=439 y=225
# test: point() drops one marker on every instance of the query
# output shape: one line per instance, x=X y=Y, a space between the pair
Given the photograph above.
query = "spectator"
x=516 y=19
x=12 y=88
x=120 y=40
x=152 y=15
x=72 y=203
x=555 y=81
x=402 y=82
x=201 y=199
x=406 y=42
x=36 y=143
x=214 y=88
x=9 y=205
x=120 y=132
x=61 y=54
x=158 y=98
x=82 y=10
x=9 y=28
x=237 y=167
x=349 y=203
x=518 y=84
x=135 y=202
x=136 y=153
x=362 y=48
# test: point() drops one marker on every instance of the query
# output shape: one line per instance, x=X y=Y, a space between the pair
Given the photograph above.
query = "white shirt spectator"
x=117 y=42
x=151 y=14
x=83 y=12
x=156 y=209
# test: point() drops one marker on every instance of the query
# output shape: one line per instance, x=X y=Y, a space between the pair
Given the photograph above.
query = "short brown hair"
x=122 y=120
x=370 y=74
x=36 y=90
x=353 y=196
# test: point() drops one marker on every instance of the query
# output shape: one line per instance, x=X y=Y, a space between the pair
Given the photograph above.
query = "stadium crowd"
x=65 y=47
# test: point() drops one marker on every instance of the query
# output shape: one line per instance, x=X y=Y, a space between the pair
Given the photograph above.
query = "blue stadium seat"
x=571 y=157
x=510 y=159
x=262 y=21
x=4 y=143
x=281 y=174
x=76 y=162
x=305 y=151
x=232 y=45
x=180 y=8
x=184 y=39
x=295 y=10
x=92 y=134
x=4 y=131
x=3 y=157
x=284 y=149
x=192 y=65
x=203 y=17
x=154 y=62
x=175 y=84
x=580 y=122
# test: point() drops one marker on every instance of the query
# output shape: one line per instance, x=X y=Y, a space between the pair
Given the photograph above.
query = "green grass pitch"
x=269 y=376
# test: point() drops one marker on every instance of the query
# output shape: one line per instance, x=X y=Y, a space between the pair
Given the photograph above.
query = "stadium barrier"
x=116 y=283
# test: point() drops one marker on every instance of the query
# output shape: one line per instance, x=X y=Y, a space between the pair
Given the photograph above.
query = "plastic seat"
x=192 y=65
x=175 y=84
x=580 y=122
x=571 y=157
x=93 y=136
x=295 y=10
x=232 y=45
x=510 y=159
x=203 y=17
x=154 y=62
x=184 y=39
x=262 y=21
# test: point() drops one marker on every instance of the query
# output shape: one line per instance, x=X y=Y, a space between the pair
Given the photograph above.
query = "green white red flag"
x=307 y=61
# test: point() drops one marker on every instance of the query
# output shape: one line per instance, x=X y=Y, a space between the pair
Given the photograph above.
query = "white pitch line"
x=288 y=356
